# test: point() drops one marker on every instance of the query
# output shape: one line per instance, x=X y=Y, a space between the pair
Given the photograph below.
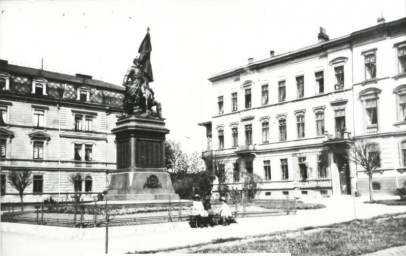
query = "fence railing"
x=85 y=215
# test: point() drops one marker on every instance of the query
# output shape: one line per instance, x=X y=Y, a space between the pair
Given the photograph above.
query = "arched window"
x=88 y=184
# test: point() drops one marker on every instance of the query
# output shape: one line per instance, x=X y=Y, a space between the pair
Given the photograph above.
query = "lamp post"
x=107 y=222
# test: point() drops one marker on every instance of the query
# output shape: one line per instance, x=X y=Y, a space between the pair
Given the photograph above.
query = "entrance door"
x=344 y=170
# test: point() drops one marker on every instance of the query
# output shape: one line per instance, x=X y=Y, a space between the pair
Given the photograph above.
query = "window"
x=78 y=152
x=320 y=82
x=265 y=132
x=370 y=66
x=3 y=148
x=221 y=139
x=248 y=134
x=38 y=151
x=247 y=98
x=2 y=84
x=220 y=103
x=88 y=184
x=320 y=123
x=304 y=192
x=340 y=123
x=236 y=172
x=3 y=183
x=282 y=129
x=78 y=183
x=83 y=123
x=39 y=86
x=38 y=183
x=403 y=148
x=4 y=81
x=88 y=152
x=267 y=169
x=234 y=132
x=222 y=173
x=402 y=58
x=300 y=86
x=38 y=118
x=374 y=154
x=39 y=89
x=371 y=112
x=3 y=115
x=267 y=193
x=402 y=107
x=284 y=168
x=321 y=166
x=303 y=168
x=376 y=186
x=248 y=167
x=234 y=102
x=339 y=74
x=88 y=123
x=285 y=193
x=83 y=94
x=282 y=91
x=78 y=122
x=265 y=92
x=300 y=126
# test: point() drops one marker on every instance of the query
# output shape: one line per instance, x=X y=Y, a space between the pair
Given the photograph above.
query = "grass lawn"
x=351 y=238
x=388 y=202
x=299 y=206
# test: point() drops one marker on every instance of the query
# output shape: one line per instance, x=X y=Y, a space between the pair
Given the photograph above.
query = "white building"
x=291 y=118
x=56 y=125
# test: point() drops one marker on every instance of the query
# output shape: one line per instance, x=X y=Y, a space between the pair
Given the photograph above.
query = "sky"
x=191 y=40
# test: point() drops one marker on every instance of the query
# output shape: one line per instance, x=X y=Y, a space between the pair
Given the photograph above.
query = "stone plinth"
x=140 y=173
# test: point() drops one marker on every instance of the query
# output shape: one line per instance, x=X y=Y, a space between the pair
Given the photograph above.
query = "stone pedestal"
x=140 y=173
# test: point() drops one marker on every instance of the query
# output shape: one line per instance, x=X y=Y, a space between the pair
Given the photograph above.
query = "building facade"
x=291 y=119
x=56 y=126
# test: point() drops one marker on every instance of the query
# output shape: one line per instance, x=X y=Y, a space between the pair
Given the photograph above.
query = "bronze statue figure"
x=139 y=97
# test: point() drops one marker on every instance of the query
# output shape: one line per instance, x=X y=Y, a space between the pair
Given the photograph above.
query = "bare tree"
x=366 y=155
x=20 y=180
x=76 y=179
x=194 y=162
x=216 y=165
x=250 y=185
x=175 y=158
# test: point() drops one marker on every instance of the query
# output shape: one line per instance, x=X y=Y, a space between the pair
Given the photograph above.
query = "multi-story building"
x=56 y=126
x=291 y=119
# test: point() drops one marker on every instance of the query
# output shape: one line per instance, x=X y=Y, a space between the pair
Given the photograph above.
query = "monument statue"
x=140 y=139
x=139 y=97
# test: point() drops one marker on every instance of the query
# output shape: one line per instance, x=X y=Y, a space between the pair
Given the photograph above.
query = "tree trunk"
x=371 y=196
x=22 y=203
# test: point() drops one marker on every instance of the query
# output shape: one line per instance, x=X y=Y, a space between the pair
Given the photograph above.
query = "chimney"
x=250 y=60
x=323 y=37
x=83 y=76
x=3 y=62
x=380 y=20
x=272 y=53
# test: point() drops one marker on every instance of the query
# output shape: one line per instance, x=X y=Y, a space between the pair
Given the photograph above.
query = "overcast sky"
x=191 y=40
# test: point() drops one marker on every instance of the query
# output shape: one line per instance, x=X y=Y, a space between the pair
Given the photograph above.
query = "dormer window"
x=39 y=86
x=83 y=94
x=4 y=81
